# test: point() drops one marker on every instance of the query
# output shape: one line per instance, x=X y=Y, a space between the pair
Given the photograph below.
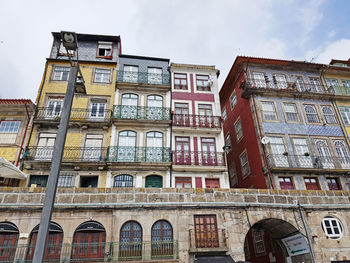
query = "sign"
x=296 y=245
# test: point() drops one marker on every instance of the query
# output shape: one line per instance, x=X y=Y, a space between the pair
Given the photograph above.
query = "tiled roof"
x=15 y=101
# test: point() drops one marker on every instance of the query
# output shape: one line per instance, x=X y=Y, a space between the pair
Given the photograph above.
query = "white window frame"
x=9 y=131
x=228 y=140
x=224 y=114
x=330 y=230
x=107 y=47
x=269 y=113
x=102 y=75
x=233 y=100
x=238 y=130
x=329 y=117
x=291 y=113
x=313 y=115
x=60 y=73
x=345 y=114
x=100 y=110
x=243 y=159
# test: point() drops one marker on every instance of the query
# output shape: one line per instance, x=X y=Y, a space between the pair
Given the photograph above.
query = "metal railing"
x=308 y=162
x=198 y=158
x=93 y=252
x=138 y=154
x=143 y=77
x=211 y=240
x=197 y=121
x=81 y=154
x=89 y=115
x=140 y=113
x=339 y=90
x=288 y=86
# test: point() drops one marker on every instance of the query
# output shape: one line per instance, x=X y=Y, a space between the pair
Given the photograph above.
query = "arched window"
x=155 y=181
x=162 y=239
x=126 y=146
x=123 y=180
x=53 y=243
x=154 y=101
x=128 y=109
x=8 y=241
x=89 y=241
x=155 y=150
x=155 y=110
x=324 y=154
x=311 y=114
x=343 y=153
x=130 y=240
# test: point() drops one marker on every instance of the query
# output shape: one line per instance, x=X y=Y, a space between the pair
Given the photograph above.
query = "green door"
x=154 y=181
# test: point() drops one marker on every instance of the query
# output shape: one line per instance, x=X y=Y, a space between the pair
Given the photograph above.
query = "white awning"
x=8 y=170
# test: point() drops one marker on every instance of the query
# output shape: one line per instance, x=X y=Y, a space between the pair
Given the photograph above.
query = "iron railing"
x=339 y=90
x=287 y=86
x=138 y=154
x=81 y=154
x=211 y=240
x=93 y=252
x=198 y=158
x=143 y=77
x=308 y=162
x=199 y=121
x=140 y=113
x=89 y=115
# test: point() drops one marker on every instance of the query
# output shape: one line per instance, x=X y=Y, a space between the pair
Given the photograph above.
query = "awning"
x=8 y=170
x=216 y=259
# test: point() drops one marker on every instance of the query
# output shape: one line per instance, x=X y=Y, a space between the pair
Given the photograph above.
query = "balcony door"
x=343 y=154
x=93 y=148
x=154 y=144
x=154 y=75
x=206 y=231
x=130 y=243
x=97 y=110
x=54 y=108
x=182 y=150
x=45 y=147
x=303 y=153
x=208 y=151
x=130 y=73
x=205 y=115
x=324 y=154
x=126 y=146
x=154 y=107
x=181 y=117
x=128 y=108
x=277 y=150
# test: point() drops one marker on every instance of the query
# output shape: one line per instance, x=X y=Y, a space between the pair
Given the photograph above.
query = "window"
x=238 y=130
x=38 y=180
x=45 y=146
x=206 y=231
x=316 y=85
x=180 y=81
x=302 y=152
x=233 y=100
x=212 y=183
x=343 y=153
x=228 y=140
x=286 y=183
x=324 y=155
x=332 y=227
x=278 y=152
x=182 y=150
x=291 y=112
x=66 y=180
x=8 y=131
x=328 y=114
x=61 y=73
x=269 y=111
x=97 y=110
x=333 y=183
x=311 y=183
x=299 y=82
x=224 y=114
x=9 y=234
x=123 y=180
x=208 y=152
x=202 y=82
x=128 y=109
x=154 y=147
x=346 y=83
x=154 y=181
x=345 y=114
x=154 y=75
x=102 y=75
x=183 y=182
x=259 y=79
x=259 y=244
x=311 y=114
x=154 y=101
x=93 y=147
x=332 y=82
x=205 y=110
x=280 y=81
x=130 y=242
x=54 y=108
x=162 y=239
x=181 y=108
x=243 y=158
x=104 y=49
x=126 y=146
x=130 y=73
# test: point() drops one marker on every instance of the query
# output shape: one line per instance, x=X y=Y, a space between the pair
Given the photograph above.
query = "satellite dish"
x=265 y=140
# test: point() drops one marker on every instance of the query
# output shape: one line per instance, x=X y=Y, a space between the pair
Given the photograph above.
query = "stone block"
x=153 y=190
x=158 y=198
x=64 y=199
x=29 y=198
x=139 y=190
x=303 y=199
x=235 y=198
x=10 y=198
x=220 y=197
x=176 y=198
x=265 y=199
x=198 y=198
x=125 y=198
x=280 y=199
x=250 y=198
x=98 y=198
x=81 y=198
x=140 y=198
x=169 y=190
x=316 y=200
x=112 y=198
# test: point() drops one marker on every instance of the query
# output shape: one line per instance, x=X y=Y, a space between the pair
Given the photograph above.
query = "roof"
x=193 y=66
x=91 y=37
x=143 y=57
x=16 y=101
x=333 y=61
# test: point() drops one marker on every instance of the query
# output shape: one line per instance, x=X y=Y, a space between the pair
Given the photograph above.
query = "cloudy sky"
x=210 y=32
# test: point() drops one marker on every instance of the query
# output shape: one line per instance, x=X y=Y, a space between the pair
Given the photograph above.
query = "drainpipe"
x=171 y=131
x=24 y=135
x=307 y=233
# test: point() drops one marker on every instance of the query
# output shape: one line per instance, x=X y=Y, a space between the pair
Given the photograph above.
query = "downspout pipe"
x=24 y=135
x=171 y=131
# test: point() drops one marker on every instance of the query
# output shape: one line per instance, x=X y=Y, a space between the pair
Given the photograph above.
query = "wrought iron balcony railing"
x=199 y=121
x=70 y=154
x=140 y=113
x=93 y=252
x=286 y=86
x=143 y=77
x=208 y=240
x=138 y=154
x=89 y=115
x=308 y=162
x=197 y=158
x=339 y=90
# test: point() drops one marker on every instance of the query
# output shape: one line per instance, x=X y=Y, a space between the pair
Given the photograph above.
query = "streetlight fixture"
x=75 y=84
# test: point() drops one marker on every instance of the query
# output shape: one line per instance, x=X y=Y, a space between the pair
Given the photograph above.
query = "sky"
x=208 y=32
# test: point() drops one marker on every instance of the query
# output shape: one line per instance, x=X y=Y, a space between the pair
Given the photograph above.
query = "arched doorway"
x=53 y=243
x=267 y=239
x=8 y=241
x=130 y=242
x=89 y=242
x=162 y=239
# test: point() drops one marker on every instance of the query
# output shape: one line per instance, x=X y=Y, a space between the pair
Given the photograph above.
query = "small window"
x=155 y=75
x=243 y=158
x=61 y=73
x=212 y=183
x=269 y=110
x=180 y=81
x=202 y=82
x=224 y=114
x=102 y=75
x=123 y=180
x=183 y=182
x=311 y=114
x=259 y=244
x=228 y=140
x=105 y=49
x=38 y=180
x=259 y=79
x=311 y=184
x=291 y=112
x=280 y=81
x=333 y=183
x=332 y=227
x=328 y=114
x=8 y=131
x=238 y=130
x=66 y=180
x=97 y=110
x=286 y=183
x=332 y=82
x=345 y=114
x=346 y=83
x=233 y=100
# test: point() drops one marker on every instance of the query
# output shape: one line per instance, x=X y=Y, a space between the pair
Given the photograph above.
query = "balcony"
x=198 y=160
x=49 y=115
x=143 y=78
x=124 y=154
x=70 y=154
x=302 y=162
x=125 y=112
x=94 y=252
x=340 y=90
x=197 y=121
x=210 y=242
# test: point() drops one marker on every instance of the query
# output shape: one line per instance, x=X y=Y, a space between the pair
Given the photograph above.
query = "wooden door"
x=206 y=231
x=130 y=245
x=89 y=244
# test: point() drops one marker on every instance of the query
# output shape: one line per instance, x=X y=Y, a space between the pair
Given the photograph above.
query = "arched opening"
x=130 y=242
x=89 y=242
x=154 y=181
x=8 y=241
x=162 y=239
x=128 y=109
x=123 y=180
x=53 y=243
x=275 y=240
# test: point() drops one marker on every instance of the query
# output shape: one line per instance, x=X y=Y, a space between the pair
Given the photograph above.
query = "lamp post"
x=70 y=42
x=226 y=149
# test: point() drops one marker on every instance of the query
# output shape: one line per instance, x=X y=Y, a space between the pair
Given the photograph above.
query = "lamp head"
x=69 y=40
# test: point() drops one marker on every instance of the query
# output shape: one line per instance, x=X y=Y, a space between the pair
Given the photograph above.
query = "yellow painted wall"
x=9 y=152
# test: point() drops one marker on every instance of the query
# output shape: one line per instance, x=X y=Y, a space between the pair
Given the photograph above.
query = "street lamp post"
x=70 y=43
